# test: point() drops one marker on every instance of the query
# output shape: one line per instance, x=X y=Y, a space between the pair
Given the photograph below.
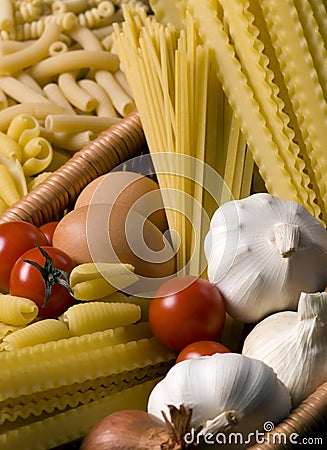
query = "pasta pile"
x=60 y=85
x=98 y=355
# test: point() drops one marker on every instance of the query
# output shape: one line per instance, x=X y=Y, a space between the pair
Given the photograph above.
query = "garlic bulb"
x=294 y=345
x=226 y=392
x=262 y=252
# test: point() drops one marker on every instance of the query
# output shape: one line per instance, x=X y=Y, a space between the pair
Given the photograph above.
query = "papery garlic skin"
x=262 y=252
x=294 y=345
x=212 y=385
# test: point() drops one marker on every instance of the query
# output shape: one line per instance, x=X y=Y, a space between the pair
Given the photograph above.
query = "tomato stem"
x=51 y=275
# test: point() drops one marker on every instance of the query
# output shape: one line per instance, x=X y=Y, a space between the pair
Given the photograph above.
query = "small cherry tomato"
x=48 y=230
x=201 y=348
x=50 y=289
x=186 y=309
x=15 y=239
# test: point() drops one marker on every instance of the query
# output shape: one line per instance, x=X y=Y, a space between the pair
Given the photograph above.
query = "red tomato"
x=15 y=239
x=186 y=309
x=27 y=281
x=201 y=348
x=48 y=230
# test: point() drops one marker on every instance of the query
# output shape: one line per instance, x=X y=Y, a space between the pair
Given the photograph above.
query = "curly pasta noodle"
x=17 y=310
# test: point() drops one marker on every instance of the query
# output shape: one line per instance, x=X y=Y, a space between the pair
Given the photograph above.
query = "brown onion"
x=139 y=430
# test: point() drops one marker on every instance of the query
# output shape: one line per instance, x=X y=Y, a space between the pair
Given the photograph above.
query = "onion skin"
x=127 y=430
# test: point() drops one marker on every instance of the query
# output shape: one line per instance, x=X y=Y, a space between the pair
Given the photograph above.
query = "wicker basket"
x=57 y=194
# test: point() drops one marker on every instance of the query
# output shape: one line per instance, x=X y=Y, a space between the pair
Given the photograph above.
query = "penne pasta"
x=84 y=318
x=85 y=37
x=19 y=91
x=25 y=78
x=44 y=70
x=72 y=142
x=17 y=311
x=75 y=124
x=55 y=94
x=35 y=52
x=104 y=104
x=77 y=96
x=121 y=101
x=15 y=170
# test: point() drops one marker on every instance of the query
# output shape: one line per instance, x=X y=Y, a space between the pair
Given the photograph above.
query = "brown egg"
x=111 y=233
x=128 y=189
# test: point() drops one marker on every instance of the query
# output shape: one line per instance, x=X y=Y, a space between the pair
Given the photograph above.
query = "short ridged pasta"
x=37 y=155
x=36 y=333
x=89 y=317
x=17 y=310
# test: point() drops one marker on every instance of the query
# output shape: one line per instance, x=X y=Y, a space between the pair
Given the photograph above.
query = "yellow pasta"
x=37 y=180
x=57 y=48
x=121 y=101
x=8 y=190
x=75 y=124
x=3 y=205
x=20 y=91
x=3 y=100
x=35 y=52
x=37 y=155
x=25 y=78
x=6 y=329
x=85 y=37
x=17 y=310
x=55 y=94
x=75 y=95
x=6 y=15
x=104 y=104
x=22 y=128
x=9 y=147
x=72 y=142
x=51 y=373
x=75 y=6
x=36 y=333
x=37 y=110
x=59 y=428
x=89 y=317
x=75 y=59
